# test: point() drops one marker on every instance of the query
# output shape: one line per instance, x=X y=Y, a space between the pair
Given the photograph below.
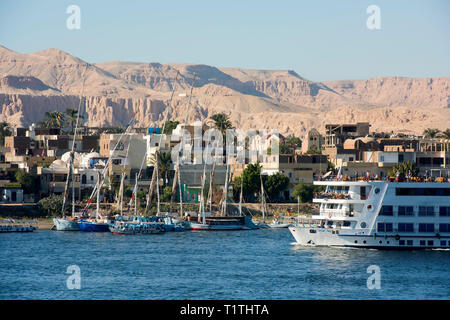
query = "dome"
x=58 y=164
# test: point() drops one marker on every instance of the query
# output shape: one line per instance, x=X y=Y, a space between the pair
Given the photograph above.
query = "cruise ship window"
x=409 y=242
x=387 y=211
x=405 y=211
x=422 y=242
x=443 y=243
x=444 y=211
x=426 y=227
x=426 y=211
x=444 y=227
x=430 y=242
x=405 y=227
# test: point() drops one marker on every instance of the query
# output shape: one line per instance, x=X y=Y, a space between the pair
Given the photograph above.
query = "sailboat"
x=71 y=223
x=262 y=224
x=223 y=222
x=95 y=225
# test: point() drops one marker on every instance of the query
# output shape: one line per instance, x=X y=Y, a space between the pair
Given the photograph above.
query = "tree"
x=53 y=119
x=431 y=133
x=274 y=184
x=166 y=194
x=222 y=122
x=51 y=205
x=170 y=126
x=304 y=191
x=293 y=142
x=115 y=130
x=26 y=180
x=164 y=163
x=4 y=132
x=446 y=134
x=251 y=182
x=404 y=169
x=72 y=118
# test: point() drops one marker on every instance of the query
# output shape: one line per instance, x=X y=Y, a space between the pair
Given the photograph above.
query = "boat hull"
x=66 y=225
x=90 y=226
x=279 y=225
x=326 y=237
x=208 y=227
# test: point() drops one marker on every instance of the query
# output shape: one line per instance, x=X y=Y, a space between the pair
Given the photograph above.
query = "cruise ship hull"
x=325 y=237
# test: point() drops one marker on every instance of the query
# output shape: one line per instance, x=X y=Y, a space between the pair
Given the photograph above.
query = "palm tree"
x=4 y=132
x=53 y=119
x=164 y=163
x=446 y=134
x=431 y=133
x=222 y=122
x=72 y=118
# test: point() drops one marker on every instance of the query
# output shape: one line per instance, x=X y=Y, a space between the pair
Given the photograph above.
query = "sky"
x=320 y=40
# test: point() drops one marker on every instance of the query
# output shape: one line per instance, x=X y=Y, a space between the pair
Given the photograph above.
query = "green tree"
x=166 y=194
x=251 y=182
x=274 y=184
x=221 y=122
x=53 y=119
x=431 y=133
x=4 y=132
x=293 y=142
x=115 y=130
x=304 y=191
x=27 y=180
x=170 y=126
x=72 y=118
x=446 y=134
x=51 y=205
x=404 y=168
x=164 y=163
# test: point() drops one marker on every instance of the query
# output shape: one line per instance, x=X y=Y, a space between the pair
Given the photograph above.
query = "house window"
x=426 y=227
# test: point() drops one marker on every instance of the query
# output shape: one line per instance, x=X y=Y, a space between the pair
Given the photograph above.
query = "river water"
x=257 y=264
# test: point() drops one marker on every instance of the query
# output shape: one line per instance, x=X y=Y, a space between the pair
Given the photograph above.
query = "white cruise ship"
x=379 y=214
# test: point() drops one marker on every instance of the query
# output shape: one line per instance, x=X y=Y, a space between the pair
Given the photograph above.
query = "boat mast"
x=225 y=191
x=211 y=178
x=70 y=171
x=262 y=200
x=98 y=197
x=240 y=198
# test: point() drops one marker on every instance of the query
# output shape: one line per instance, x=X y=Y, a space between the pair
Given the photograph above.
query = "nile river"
x=257 y=264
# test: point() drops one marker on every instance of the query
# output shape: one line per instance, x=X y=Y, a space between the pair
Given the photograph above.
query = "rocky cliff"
x=31 y=84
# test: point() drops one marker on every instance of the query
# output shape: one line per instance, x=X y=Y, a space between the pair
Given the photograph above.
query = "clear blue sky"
x=320 y=40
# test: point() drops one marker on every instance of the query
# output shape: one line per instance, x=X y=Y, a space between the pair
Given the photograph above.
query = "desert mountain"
x=31 y=84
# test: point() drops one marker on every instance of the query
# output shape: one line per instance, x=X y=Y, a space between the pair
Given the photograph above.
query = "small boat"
x=93 y=226
x=279 y=225
x=218 y=223
x=15 y=226
x=66 y=224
